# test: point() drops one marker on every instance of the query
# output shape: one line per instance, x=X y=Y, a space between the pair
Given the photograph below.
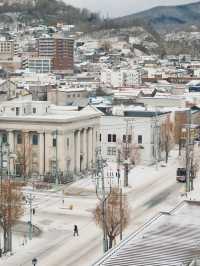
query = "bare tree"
x=167 y=137
x=180 y=121
x=24 y=155
x=11 y=209
x=116 y=214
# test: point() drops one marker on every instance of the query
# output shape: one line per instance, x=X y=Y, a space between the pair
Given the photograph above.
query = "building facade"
x=60 y=50
x=39 y=65
x=8 y=49
x=49 y=139
x=121 y=78
x=68 y=96
x=137 y=133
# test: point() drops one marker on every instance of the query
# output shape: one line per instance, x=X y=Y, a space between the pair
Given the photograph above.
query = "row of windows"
x=126 y=138
x=17 y=110
x=74 y=95
x=35 y=140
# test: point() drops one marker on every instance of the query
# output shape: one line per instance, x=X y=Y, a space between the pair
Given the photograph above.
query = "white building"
x=121 y=78
x=39 y=65
x=47 y=138
x=64 y=95
x=8 y=49
x=139 y=130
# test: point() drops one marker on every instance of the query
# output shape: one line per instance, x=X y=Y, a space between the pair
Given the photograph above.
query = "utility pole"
x=126 y=151
x=121 y=228
x=30 y=199
x=156 y=139
x=118 y=167
x=188 y=143
x=101 y=194
x=9 y=219
x=56 y=157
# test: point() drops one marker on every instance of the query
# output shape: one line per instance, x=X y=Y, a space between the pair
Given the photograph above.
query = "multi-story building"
x=121 y=78
x=39 y=65
x=64 y=95
x=64 y=53
x=139 y=133
x=60 y=50
x=8 y=49
x=47 y=138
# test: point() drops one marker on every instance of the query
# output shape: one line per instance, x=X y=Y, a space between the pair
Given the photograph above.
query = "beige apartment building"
x=46 y=138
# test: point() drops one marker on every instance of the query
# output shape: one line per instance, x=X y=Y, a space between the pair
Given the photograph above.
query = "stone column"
x=78 y=151
x=61 y=151
x=41 y=152
x=48 y=151
x=94 y=144
x=71 y=152
x=90 y=151
x=27 y=153
x=85 y=155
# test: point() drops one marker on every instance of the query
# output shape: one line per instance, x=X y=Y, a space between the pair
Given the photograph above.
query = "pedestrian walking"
x=76 y=230
x=33 y=211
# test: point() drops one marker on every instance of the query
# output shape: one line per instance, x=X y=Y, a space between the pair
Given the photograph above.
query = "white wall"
x=121 y=78
x=138 y=126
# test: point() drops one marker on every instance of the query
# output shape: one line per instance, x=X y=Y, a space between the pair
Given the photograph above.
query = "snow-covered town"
x=99 y=135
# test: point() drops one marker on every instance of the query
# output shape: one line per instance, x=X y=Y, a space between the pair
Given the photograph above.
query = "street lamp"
x=34 y=261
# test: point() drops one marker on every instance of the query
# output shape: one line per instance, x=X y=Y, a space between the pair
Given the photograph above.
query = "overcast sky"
x=115 y=8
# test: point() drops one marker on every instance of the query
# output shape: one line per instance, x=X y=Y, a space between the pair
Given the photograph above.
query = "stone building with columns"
x=49 y=139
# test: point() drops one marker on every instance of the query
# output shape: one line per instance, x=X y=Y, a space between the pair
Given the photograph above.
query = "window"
x=19 y=138
x=112 y=138
x=4 y=138
x=124 y=138
x=139 y=139
x=35 y=139
x=127 y=138
x=54 y=142
x=111 y=151
x=68 y=143
x=17 y=110
x=34 y=110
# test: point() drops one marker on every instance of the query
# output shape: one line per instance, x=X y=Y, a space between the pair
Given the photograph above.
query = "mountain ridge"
x=48 y=12
x=166 y=17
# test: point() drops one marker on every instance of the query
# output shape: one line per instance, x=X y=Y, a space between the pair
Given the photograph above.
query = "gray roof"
x=170 y=239
x=143 y=113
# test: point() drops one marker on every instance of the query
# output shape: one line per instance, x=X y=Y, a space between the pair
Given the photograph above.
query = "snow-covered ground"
x=150 y=190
